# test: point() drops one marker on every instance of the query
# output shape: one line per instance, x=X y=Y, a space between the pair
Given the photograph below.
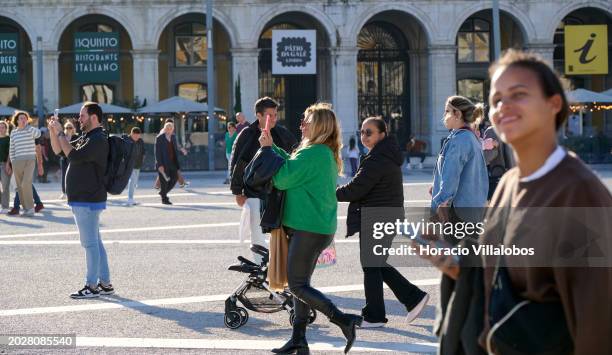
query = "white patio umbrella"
x=587 y=96
x=106 y=108
x=7 y=110
x=177 y=104
x=607 y=92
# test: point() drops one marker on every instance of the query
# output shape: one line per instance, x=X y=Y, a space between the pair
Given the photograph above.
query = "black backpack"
x=120 y=164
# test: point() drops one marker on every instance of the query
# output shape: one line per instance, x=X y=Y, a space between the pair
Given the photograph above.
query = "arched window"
x=193 y=91
x=190 y=44
x=473 y=41
x=100 y=93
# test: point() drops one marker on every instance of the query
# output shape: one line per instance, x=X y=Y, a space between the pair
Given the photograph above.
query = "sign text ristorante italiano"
x=96 y=56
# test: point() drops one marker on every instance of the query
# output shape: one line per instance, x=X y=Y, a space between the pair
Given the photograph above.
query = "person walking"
x=242 y=122
x=138 y=154
x=308 y=177
x=166 y=161
x=243 y=151
x=379 y=183
x=230 y=137
x=353 y=156
x=22 y=154
x=528 y=108
x=5 y=169
x=87 y=156
x=70 y=133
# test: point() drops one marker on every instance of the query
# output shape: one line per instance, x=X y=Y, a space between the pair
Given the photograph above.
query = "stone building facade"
x=400 y=59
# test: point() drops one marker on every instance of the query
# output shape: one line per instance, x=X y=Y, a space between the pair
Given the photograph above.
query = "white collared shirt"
x=553 y=160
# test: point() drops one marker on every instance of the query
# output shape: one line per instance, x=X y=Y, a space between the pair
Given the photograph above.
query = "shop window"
x=100 y=93
x=473 y=89
x=473 y=41
x=190 y=45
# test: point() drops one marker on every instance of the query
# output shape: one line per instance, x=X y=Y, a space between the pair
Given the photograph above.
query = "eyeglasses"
x=366 y=132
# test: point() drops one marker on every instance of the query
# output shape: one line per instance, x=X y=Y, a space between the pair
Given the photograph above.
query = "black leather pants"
x=304 y=249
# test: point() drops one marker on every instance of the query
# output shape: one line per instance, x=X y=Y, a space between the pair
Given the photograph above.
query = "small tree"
x=237 y=97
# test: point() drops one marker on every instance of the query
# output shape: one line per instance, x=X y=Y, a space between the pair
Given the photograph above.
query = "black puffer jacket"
x=258 y=183
x=378 y=183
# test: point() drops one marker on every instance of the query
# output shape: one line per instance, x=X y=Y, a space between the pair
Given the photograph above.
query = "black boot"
x=297 y=344
x=347 y=323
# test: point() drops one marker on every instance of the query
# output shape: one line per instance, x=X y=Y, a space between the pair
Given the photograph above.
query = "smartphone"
x=56 y=114
x=436 y=243
x=267 y=123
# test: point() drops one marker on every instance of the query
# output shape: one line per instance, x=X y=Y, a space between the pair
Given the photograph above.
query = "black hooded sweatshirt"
x=378 y=183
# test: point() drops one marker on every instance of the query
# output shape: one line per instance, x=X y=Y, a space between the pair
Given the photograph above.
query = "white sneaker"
x=62 y=197
x=130 y=203
x=28 y=213
x=414 y=312
x=366 y=324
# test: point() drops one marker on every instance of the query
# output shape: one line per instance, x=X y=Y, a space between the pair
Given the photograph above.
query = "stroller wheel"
x=233 y=320
x=311 y=318
x=244 y=315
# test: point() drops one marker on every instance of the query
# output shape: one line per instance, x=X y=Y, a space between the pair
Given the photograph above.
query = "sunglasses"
x=366 y=132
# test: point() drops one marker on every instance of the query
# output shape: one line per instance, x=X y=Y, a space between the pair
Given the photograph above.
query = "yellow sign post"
x=586 y=49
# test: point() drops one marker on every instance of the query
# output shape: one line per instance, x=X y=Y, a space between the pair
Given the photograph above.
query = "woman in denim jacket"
x=460 y=175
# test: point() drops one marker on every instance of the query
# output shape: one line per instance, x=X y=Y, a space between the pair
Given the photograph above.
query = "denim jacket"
x=460 y=174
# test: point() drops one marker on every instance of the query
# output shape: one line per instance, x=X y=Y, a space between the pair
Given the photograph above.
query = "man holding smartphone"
x=87 y=159
x=245 y=147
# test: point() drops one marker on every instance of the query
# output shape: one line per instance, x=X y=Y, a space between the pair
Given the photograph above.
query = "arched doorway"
x=95 y=62
x=16 y=66
x=382 y=76
x=183 y=57
x=294 y=92
x=475 y=51
x=392 y=74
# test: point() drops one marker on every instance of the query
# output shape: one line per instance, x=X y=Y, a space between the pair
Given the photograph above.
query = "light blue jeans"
x=229 y=163
x=133 y=183
x=88 y=223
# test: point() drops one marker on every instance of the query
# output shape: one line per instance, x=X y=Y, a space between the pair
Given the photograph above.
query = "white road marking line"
x=417 y=183
x=190 y=204
x=230 y=344
x=145 y=241
x=168 y=301
x=113 y=198
x=130 y=230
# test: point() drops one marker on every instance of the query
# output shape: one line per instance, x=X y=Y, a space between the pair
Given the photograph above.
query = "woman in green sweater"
x=310 y=214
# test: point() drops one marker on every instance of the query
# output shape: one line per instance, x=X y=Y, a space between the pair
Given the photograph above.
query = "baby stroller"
x=255 y=294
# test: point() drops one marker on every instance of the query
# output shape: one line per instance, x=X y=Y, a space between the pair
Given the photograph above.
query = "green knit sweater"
x=309 y=179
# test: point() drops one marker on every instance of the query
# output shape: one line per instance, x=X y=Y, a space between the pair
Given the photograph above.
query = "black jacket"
x=162 y=157
x=87 y=166
x=377 y=183
x=138 y=151
x=245 y=147
x=258 y=183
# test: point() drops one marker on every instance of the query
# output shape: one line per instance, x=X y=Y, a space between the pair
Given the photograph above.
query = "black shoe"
x=297 y=344
x=86 y=292
x=106 y=290
x=166 y=202
x=347 y=323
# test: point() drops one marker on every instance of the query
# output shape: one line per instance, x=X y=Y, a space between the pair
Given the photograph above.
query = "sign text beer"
x=9 y=58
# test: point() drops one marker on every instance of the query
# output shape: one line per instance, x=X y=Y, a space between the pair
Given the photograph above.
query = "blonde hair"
x=16 y=115
x=324 y=128
x=470 y=113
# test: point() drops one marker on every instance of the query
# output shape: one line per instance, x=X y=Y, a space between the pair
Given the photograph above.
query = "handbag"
x=277 y=268
x=327 y=257
x=520 y=326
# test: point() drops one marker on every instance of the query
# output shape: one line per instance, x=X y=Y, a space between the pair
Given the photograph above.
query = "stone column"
x=442 y=83
x=344 y=89
x=546 y=50
x=245 y=65
x=50 y=79
x=146 y=74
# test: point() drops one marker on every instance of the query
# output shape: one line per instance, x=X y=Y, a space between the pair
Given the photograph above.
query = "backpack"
x=119 y=165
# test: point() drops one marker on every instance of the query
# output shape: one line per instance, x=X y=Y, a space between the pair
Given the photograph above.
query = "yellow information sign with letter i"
x=586 y=49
